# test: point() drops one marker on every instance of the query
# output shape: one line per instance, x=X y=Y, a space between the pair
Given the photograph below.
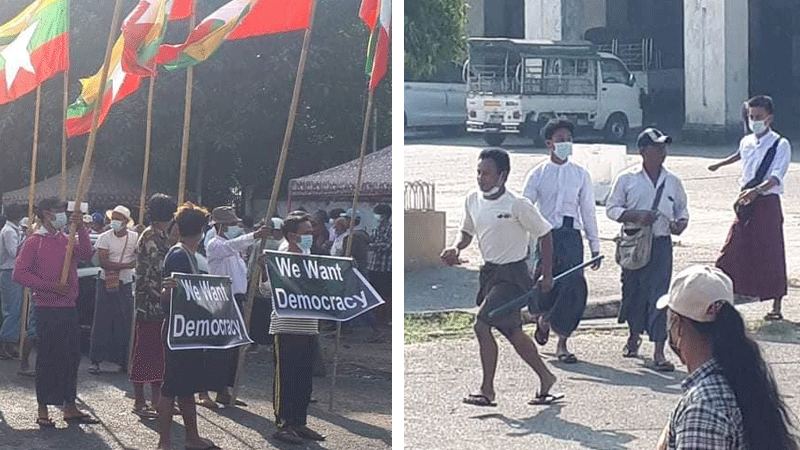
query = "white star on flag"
x=16 y=55
x=117 y=80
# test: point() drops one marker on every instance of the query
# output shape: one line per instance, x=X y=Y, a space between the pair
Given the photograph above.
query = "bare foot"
x=546 y=383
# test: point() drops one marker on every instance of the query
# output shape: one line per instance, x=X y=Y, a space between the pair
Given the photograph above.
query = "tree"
x=434 y=33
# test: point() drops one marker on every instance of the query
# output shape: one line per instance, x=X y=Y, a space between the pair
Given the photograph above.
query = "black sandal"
x=45 y=422
x=288 y=435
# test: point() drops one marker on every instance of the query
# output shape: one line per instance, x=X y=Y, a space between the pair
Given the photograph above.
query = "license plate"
x=495 y=118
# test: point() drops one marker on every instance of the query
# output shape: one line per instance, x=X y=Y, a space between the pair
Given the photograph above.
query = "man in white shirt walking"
x=503 y=222
x=754 y=255
x=224 y=253
x=10 y=292
x=632 y=199
x=563 y=193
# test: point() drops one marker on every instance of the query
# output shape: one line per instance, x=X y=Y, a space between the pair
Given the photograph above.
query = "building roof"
x=338 y=183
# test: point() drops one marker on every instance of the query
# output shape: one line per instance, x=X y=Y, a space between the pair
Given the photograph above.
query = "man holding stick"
x=503 y=222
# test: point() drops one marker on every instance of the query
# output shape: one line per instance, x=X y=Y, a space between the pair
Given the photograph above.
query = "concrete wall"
x=543 y=19
x=562 y=19
x=594 y=14
x=424 y=238
x=475 y=18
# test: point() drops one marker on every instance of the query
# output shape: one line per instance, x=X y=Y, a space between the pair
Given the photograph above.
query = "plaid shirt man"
x=707 y=416
x=381 y=246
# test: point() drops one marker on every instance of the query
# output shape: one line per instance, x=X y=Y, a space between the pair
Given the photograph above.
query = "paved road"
x=611 y=402
x=362 y=419
x=450 y=163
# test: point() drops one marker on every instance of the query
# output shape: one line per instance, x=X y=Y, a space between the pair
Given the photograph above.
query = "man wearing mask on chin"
x=111 y=328
x=564 y=194
x=754 y=255
x=224 y=253
x=293 y=350
x=503 y=222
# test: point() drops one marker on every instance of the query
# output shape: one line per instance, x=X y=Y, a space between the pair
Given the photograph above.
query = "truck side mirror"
x=631 y=79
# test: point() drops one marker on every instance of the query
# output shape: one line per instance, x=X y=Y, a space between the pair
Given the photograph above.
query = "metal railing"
x=638 y=57
x=420 y=196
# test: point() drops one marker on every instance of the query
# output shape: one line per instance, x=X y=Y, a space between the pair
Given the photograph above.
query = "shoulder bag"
x=744 y=212
x=635 y=241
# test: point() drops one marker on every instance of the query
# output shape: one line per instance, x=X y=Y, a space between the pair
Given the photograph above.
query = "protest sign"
x=318 y=287
x=204 y=314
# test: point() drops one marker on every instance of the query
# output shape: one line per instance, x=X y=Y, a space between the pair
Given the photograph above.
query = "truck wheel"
x=494 y=139
x=616 y=128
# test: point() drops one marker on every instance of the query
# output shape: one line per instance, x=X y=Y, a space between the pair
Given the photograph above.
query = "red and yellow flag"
x=143 y=32
x=377 y=15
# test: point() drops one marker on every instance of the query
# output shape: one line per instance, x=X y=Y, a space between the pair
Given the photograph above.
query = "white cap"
x=87 y=218
x=695 y=290
x=24 y=222
x=125 y=212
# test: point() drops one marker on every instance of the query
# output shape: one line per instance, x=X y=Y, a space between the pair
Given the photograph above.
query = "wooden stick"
x=187 y=118
x=148 y=132
x=64 y=138
x=31 y=192
x=87 y=159
x=349 y=248
x=254 y=271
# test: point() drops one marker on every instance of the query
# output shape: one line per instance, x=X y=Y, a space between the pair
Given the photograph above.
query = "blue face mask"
x=233 y=232
x=305 y=242
x=60 y=220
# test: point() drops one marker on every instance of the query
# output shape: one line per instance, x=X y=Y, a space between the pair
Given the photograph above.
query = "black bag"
x=744 y=212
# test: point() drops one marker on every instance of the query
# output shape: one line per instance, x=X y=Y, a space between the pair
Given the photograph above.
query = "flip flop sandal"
x=45 y=422
x=82 y=419
x=546 y=399
x=288 y=436
x=662 y=366
x=771 y=316
x=540 y=336
x=567 y=358
x=631 y=352
x=478 y=400
x=208 y=403
x=145 y=412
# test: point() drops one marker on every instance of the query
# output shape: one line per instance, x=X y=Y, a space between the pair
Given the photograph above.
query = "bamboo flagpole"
x=87 y=159
x=349 y=248
x=254 y=271
x=31 y=193
x=187 y=119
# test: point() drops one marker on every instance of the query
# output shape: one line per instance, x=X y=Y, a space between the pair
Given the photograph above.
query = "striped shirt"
x=291 y=325
x=707 y=416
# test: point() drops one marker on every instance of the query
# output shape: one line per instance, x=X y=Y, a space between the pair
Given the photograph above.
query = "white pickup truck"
x=516 y=86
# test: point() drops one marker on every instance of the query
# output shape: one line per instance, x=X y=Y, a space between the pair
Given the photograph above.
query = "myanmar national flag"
x=118 y=86
x=377 y=15
x=34 y=46
x=143 y=32
x=237 y=19
x=181 y=9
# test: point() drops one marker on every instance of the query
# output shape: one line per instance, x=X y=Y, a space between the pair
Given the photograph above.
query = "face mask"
x=116 y=225
x=562 y=150
x=272 y=244
x=305 y=242
x=233 y=232
x=60 y=220
x=758 y=126
x=674 y=344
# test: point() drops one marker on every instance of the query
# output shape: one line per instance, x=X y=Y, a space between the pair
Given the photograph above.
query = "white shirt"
x=503 y=226
x=752 y=151
x=560 y=190
x=10 y=237
x=291 y=325
x=633 y=189
x=210 y=234
x=120 y=250
x=225 y=259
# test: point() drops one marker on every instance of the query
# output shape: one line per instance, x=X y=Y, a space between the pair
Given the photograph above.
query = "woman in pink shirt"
x=38 y=266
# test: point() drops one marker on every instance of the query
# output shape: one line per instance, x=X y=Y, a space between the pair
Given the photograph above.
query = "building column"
x=475 y=21
x=715 y=67
x=543 y=19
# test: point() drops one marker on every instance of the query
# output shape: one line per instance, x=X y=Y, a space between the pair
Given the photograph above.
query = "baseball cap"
x=695 y=290
x=349 y=213
x=98 y=218
x=224 y=215
x=652 y=136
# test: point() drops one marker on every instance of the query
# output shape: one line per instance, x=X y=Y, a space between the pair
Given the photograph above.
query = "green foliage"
x=240 y=107
x=434 y=33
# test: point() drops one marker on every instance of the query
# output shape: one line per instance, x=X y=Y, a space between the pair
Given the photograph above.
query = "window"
x=613 y=71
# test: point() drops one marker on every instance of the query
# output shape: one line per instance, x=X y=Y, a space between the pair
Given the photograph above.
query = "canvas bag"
x=635 y=241
x=743 y=212
x=112 y=276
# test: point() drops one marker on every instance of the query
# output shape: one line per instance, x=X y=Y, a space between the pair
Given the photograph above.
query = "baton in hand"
x=523 y=300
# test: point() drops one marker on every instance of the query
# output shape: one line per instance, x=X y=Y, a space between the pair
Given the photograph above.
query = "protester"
x=224 y=253
x=293 y=351
x=730 y=398
x=185 y=371
x=380 y=263
x=649 y=195
x=360 y=246
x=10 y=292
x=320 y=246
x=147 y=360
x=563 y=192
x=332 y=216
x=38 y=267
x=339 y=230
x=754 y=254
x=503 y=222
x=113 y=309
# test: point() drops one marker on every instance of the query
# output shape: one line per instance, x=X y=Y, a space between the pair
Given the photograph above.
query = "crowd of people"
x=730 y=398
x=132 y=295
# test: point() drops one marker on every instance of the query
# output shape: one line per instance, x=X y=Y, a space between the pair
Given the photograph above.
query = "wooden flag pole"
x=31 y=193
x=87 y=159
x=187 y=118
x=147 y=136
x=254 y=269
x=349 y=248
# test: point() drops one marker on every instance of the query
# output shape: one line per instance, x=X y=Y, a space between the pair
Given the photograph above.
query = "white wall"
x=543 y=19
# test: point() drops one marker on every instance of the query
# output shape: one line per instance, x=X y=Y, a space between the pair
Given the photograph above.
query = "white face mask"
x=116 y=225
x=758 y=126
x=60 y=220
x=233 y=232
x=562 y=150
x=306 y=240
